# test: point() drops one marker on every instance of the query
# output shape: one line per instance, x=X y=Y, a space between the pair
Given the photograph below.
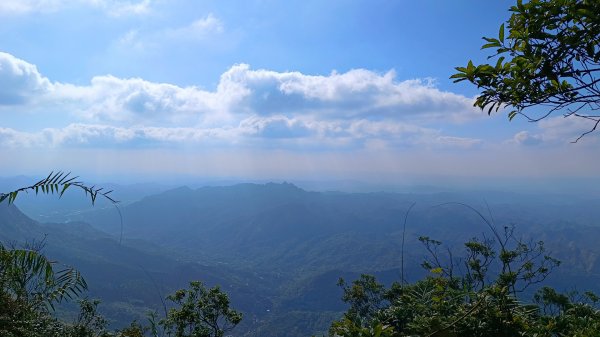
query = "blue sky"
x=264 y=89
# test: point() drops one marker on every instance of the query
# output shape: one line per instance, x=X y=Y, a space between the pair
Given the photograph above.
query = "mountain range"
x=278 y=250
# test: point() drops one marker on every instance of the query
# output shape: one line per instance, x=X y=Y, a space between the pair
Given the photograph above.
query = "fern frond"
x=57 y=183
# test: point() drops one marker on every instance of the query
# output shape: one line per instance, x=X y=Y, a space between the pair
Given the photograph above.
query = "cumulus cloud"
x=136 y=101
x=359 y=108
x=354 y=94
x=20 y=81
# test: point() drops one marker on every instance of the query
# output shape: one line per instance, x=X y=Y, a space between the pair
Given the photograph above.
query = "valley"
x=279 y=250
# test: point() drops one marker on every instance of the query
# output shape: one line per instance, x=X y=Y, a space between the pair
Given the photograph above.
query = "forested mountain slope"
x=282 y=227
x=129 y=281
x=279 y=250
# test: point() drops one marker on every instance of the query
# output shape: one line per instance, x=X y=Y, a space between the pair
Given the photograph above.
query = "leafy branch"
x=57 y=183
x=549 y=58
x=31 y=276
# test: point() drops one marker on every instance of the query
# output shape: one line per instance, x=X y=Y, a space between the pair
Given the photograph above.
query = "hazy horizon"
x=585 y=188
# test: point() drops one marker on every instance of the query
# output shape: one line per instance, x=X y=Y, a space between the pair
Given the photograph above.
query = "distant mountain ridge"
x=249 y=221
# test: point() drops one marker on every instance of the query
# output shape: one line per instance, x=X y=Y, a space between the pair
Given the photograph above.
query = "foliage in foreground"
x=550 y=57
x=481 y=301
x=200 y=312
x=31 y=285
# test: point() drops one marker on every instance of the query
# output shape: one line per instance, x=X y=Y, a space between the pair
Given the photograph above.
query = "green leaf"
x=65 y=186
x=491 y=45
x=499 y=63
x=470 y=66
x=491 y=108
x=512 y=115
x=437 y=270
x=501 y=33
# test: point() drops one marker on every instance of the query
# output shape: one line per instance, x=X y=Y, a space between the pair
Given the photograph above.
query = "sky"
x=264 y=89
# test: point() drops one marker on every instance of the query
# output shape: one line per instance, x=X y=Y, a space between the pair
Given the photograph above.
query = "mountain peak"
x=270 y=187
x=284 y=186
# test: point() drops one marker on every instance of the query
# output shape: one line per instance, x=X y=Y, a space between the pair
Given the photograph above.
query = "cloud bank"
x=356 y=109
x=264 y=123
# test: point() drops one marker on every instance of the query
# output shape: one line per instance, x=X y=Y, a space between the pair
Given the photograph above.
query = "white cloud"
x=557 y=131
x=123 y=8
x=265 y=132
x=526 y=138
x=26 y=6
x=364 y=128
x=136 y=101
x=457 y=142
x=278 y=127
x=204 y=27
x=355 y=94
x=353 y=109
x=95 y=135
x=10 y=138
x=567 y=129
x=111 y=7
x=20 y=81
x=131 y=41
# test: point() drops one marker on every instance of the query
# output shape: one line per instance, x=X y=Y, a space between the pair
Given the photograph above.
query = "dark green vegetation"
x=442 y=306
x=479 y=299
x=278 y=251
x=31 y=286
x=550 y=57
x=200 y=312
